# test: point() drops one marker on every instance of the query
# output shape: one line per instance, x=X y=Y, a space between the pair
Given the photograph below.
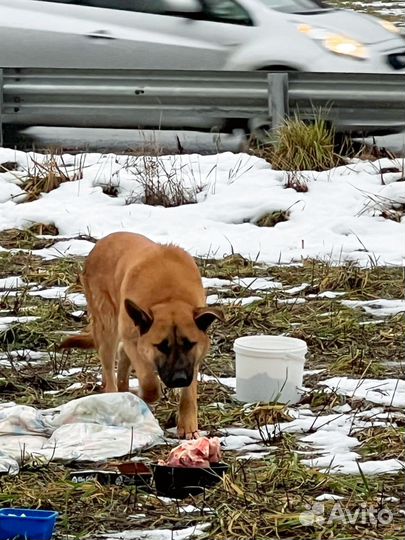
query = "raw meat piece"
x=199 y=452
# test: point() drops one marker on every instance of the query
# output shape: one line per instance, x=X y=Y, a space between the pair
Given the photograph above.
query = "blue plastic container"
x=25 y=523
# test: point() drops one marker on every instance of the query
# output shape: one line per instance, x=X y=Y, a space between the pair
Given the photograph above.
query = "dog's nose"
x=180 y=379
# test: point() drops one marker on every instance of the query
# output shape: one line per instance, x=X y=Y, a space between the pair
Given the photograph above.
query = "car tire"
x=277 y=68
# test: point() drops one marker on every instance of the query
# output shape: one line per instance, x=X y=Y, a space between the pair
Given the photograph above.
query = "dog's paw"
x=188 y=434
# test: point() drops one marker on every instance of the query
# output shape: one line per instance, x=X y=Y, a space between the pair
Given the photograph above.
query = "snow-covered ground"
x=338 y=219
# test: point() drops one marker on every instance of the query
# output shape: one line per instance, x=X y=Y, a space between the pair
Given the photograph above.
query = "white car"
x=303 y=35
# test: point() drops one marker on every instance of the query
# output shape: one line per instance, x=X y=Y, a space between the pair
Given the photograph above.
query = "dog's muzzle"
x=177 y=379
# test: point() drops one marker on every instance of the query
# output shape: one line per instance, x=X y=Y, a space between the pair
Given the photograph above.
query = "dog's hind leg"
x=106 y=340
x=107 y=352
x=103 y=319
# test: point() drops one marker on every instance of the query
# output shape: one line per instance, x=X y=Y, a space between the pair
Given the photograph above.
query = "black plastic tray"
x=179 y=482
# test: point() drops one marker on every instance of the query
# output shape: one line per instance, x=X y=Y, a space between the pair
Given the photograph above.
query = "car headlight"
x=389 y=26
x=336 y=43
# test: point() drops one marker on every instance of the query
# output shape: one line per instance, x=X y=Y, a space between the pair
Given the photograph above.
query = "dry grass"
x=255 y=500
x=385 y=443
x=271 y=219
x=161 y=185
x=296 y=182
x=373 y=152
x=8 y=166
x=44 y=229
x=43 y=177
x=384 y=207
x=23 y=239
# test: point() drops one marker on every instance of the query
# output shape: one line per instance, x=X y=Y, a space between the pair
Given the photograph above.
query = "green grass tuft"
x=302 y=146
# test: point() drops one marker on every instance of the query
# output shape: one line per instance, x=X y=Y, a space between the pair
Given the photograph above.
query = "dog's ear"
x=141 y=318
x=205 y=316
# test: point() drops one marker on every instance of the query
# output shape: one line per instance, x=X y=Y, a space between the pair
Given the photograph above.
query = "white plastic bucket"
x=269 y=368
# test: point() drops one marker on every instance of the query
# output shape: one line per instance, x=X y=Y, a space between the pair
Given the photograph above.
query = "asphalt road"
x=125 y=140
x=122 y=140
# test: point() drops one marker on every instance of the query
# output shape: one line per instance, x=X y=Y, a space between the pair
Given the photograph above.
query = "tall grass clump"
x=303 y=146
x=162 y=184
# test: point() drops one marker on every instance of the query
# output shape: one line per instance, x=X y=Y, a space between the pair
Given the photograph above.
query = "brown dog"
x=147 y=308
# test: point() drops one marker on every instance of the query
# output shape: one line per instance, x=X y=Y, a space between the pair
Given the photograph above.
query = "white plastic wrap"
x=92 y=428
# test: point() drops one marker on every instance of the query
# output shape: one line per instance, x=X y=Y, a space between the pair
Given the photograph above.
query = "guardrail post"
x=278 y=98
x=1 y=108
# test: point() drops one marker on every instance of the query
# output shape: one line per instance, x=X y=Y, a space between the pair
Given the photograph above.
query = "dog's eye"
x=187 y=344
x=164 y=347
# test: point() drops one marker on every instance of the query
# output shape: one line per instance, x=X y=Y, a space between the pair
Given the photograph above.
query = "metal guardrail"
x=356 y=103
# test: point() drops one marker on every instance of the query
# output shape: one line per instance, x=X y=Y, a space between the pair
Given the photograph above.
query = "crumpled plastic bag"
x=117 y=409
x=91 y=428
x=8 y=464
x=22 y=420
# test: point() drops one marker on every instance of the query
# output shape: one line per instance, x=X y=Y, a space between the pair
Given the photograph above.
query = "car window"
x=296 y=6
x=144 y=6
x=226 y=11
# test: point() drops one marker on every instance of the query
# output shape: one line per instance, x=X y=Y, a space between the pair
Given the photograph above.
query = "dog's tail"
x=79 y=341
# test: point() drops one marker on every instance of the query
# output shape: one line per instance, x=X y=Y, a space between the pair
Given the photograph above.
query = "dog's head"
x=174 y=338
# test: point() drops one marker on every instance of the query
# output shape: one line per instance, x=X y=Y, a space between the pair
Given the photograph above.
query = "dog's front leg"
x=187 y=423
x=149 y=384
x=124 y=369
